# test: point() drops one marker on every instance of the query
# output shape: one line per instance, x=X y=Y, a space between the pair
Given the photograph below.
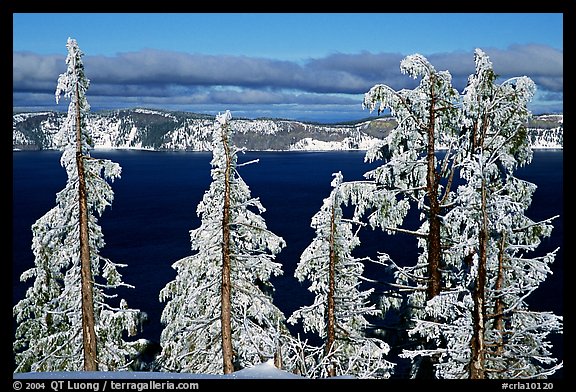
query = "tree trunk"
x=331 y=322
x=434 y=249
x=499 y=305
x=477 y=343
x=88 y=332
x=477 y=366
x=226 y=310
x=426 y=367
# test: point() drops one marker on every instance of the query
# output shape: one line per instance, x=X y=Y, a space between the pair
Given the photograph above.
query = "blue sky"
x=314 y=66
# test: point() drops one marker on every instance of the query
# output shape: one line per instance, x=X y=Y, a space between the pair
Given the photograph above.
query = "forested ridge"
x=167 y=131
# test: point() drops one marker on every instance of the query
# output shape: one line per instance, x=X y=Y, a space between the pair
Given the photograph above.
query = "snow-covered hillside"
x=161 y=130
x=171 y=131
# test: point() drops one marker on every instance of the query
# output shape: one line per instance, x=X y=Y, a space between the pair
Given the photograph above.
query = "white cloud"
x=167 y=78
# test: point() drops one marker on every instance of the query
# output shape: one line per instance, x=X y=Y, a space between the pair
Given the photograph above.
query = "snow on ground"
x=265 y=370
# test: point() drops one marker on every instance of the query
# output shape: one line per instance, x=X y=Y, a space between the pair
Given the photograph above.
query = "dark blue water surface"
x=148 y=224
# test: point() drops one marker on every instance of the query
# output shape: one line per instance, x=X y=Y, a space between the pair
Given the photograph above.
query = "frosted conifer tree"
x=478 y=325
x=412 y=175
x=495 y=335
x=219 y=315
x=338 y=314
x=49 y=336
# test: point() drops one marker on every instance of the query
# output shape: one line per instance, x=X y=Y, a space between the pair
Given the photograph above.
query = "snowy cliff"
x=169 y=131
x=163 y=130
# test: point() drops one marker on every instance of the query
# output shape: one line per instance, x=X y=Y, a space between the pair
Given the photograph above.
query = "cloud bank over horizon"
x=316 y=89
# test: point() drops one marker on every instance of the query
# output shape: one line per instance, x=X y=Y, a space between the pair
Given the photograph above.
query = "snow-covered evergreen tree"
x=49 y=336
x=338 y=314
x=478 y=324
x=226 y=280
x=495 y=335
x=413 y=176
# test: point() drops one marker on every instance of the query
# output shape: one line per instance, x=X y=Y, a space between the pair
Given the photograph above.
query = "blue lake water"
x=155 y=203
